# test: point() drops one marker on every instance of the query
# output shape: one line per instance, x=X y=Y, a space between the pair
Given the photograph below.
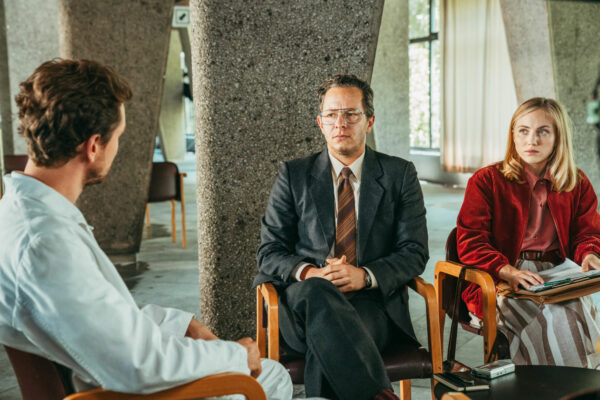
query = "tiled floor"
x=167 y=274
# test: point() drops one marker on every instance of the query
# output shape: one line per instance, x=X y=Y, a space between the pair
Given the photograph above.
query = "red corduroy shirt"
x=493 y=218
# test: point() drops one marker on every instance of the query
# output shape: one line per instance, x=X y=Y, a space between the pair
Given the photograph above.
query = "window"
x=424 y=74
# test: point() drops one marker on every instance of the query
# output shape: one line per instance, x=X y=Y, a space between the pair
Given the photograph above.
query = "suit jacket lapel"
x=321 y=191
x=371 y=193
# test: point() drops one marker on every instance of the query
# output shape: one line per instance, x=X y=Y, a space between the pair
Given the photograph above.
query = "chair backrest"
x=451 y=250
x=15 y=162
x=164 y=182
x=38 y=377
x=449 y=283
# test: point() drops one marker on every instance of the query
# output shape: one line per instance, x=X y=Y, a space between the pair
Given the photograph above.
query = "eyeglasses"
x=349 y=115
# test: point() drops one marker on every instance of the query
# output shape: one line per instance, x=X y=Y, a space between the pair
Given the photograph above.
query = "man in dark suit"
x=343 y=232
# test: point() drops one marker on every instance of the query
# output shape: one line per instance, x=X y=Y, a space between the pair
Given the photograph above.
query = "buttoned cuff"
x=171 y=321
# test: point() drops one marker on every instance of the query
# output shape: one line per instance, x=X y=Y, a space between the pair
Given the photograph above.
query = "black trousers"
x=340 y=338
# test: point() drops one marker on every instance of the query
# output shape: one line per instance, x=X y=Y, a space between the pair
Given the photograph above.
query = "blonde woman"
x=525 y=215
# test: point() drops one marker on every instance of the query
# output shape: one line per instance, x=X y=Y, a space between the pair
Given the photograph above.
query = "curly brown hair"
x=63 y=103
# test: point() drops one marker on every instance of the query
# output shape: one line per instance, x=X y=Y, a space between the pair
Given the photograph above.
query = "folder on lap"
x=561 y=283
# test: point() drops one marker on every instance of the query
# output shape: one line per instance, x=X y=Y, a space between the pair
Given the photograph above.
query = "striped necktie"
x=345 y=232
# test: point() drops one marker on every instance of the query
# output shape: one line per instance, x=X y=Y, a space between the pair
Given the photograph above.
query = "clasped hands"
x=199 y=331
x=346 y=277
x=515 y=277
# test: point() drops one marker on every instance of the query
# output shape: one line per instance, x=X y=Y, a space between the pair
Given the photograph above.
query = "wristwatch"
x=368 y=281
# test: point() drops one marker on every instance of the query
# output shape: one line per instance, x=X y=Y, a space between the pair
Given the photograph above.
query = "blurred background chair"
x=495 y=344
x=404 y=359
x=15 y=162
x=42 y=379
x=166 y=183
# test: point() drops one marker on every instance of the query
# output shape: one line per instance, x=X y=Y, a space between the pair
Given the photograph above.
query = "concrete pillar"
x=390 y=81
x=6 y=137
x=257 y=67
x=555 y=52
x=529 y=45
x=576 y=55
x=133 y=38
x=171 y=123
x=29 y=37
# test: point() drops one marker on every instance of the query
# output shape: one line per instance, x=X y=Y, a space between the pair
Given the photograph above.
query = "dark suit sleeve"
x=409 y=252
x=279 y=231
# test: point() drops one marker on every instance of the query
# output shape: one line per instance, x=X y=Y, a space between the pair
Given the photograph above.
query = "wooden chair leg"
x=405 y=389
x=148 y=216
x=433 y=383
x=183 y=232
x=173 y=234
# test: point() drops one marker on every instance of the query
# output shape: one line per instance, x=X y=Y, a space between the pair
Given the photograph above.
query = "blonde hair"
x=561 y=166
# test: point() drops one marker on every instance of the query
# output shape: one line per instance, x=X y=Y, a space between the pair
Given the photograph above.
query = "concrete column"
x=576 y=55
x=257 y=67
x=529 y=45
x=6 y=137
x=29 y=37
x=132 y=37
x=171 y=123
x=390 y=81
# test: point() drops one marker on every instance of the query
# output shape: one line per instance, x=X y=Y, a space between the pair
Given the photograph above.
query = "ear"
x=370 y=123
x=319 y=122
x=91 y=147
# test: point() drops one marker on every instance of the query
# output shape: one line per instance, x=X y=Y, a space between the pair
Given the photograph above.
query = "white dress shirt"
x=336 y=169
x=62 y=298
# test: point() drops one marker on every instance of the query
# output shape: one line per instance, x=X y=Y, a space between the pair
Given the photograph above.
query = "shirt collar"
x=533 y=179
x=355 y=167
x=35 y=190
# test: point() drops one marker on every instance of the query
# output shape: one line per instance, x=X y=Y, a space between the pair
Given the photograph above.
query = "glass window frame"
x=433 y=36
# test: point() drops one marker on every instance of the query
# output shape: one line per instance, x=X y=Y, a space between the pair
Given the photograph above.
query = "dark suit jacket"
x=299 y=225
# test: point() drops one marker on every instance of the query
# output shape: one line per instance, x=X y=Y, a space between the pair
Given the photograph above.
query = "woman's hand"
x=590 y=261
x=515 y=277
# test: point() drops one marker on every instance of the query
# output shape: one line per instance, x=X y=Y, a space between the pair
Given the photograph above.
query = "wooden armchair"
x=403 y=361
x=166 y=183
x=42 y=379
x=446 y=274
x=210 y=386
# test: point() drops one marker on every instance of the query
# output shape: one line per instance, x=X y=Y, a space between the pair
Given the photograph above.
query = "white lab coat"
x=62 y=298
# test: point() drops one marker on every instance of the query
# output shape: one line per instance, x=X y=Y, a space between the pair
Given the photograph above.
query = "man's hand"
x=346 y=277
x=197 y=330
x=590 y=261
x=253 y=356
x=515 y=277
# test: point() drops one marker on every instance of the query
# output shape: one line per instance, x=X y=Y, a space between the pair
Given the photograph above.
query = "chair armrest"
x=269 y=337
x=427 y=291
x=488 y=293
x=213 y=385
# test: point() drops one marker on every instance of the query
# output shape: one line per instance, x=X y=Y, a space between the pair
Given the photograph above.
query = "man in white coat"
x=60 y=296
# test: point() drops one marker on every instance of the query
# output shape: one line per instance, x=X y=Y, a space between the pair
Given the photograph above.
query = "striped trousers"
x=550 y=334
